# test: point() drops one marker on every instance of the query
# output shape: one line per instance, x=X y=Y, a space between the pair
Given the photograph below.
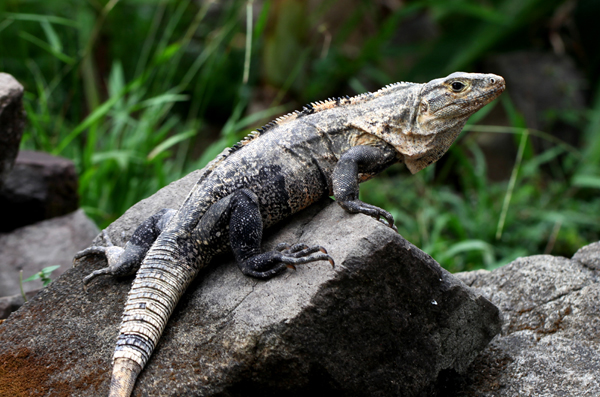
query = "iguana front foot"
x=366 y=160
x=357 y=206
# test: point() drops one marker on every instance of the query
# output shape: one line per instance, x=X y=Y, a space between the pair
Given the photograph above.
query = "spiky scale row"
x=315 y=107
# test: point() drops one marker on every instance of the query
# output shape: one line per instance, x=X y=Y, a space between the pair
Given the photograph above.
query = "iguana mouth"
x=494 y=93
x=484 y=98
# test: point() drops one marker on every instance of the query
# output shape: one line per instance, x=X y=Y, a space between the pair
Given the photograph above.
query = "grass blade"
x=175 y=139
x=511 y=185
x=45 y=46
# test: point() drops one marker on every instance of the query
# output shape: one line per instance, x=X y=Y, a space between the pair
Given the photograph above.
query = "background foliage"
x=140 y=92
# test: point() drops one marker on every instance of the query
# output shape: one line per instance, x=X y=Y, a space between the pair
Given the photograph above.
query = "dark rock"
x=12 y=122
x=387 y=320
x=550 y=341
x=9 y=304
x=39 y=187
x=34 y=247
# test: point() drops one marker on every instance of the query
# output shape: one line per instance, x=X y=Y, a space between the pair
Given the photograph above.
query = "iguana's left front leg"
x=345 y=178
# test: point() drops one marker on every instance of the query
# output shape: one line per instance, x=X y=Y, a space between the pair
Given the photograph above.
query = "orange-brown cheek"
x=364 y=139
x=425 y=118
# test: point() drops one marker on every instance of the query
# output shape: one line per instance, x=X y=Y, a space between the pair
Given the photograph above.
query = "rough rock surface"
x=34 y=247
x=12 y=122
x=172 y=196
x=40 y=186
x=9 y=304
x=387 y=320
x=550 y=341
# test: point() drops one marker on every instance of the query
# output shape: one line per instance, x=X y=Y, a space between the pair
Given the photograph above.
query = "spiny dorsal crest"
x=318 y=106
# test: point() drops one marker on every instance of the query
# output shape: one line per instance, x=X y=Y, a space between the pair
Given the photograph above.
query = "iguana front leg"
x=126 y=261
x=345 y=179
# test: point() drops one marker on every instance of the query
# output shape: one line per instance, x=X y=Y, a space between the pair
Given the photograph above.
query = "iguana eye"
x=457 y=86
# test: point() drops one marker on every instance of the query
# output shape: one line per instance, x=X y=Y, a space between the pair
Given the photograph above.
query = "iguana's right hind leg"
x=126 y=261
x=241 y=212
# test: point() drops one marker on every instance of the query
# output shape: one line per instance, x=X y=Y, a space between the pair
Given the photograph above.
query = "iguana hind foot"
x=245 y=236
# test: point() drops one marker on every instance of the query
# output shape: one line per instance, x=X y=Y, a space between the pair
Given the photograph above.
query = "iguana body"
x=327 y=148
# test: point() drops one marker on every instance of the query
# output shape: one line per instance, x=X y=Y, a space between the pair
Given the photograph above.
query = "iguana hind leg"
x=241 y=211
x=126 y=261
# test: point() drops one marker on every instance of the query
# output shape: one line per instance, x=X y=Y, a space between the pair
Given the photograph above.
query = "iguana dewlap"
x=326 y=149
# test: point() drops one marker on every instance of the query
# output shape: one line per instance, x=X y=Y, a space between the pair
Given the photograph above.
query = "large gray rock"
x=12 y=122
x=550 y=344
x=40 y=186
x=387 y=320
x=34 y=247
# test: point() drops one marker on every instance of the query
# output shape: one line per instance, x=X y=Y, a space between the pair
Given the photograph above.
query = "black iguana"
x=327 y=148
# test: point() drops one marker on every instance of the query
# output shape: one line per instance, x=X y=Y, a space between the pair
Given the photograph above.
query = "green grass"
x=140 y=92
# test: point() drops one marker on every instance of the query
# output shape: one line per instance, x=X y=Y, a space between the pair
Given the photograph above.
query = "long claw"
x=95 y=274
x=282 y=247
x=107 y=238
x=88 y=251
x=357 y=206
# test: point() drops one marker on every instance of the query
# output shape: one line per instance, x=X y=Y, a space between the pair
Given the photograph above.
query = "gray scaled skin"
x=327 y=148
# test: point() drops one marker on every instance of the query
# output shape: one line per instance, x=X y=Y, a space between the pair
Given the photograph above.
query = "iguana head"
x=444 y=105
x=454 y=98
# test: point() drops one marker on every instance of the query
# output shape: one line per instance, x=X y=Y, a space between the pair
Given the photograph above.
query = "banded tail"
x=161 y=281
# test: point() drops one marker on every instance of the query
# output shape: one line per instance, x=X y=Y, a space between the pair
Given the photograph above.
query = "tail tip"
x=125 y=373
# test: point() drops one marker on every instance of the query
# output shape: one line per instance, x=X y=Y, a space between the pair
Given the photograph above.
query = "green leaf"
x=160 y=100
x=97 y=115
x=167 y=53
x=48 y=270
x=487 y=250
x=44 y=273
x=51 y=36
x=40 y=18
x=170 y=142
x=587 y=181
x=122 y=157
x=42 y=44
x=34 y=277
